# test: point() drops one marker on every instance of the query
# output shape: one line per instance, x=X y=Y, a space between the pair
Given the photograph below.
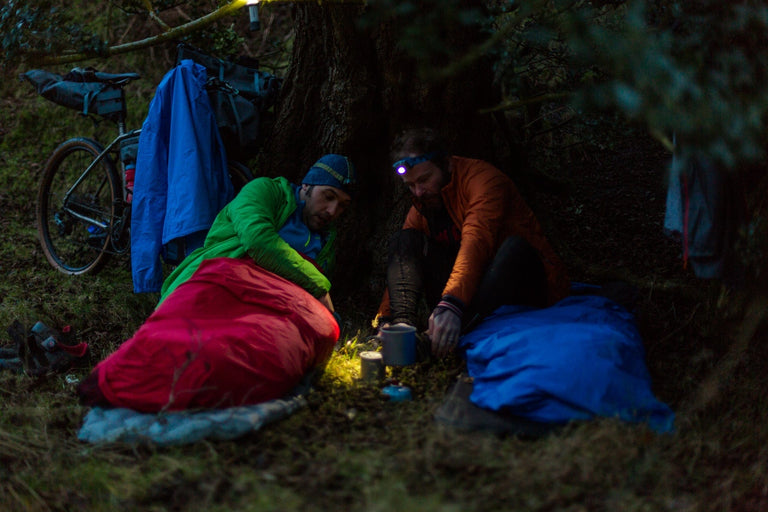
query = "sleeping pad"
x=233 y=334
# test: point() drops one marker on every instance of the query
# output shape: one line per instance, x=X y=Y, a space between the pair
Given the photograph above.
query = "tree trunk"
x=350 y=90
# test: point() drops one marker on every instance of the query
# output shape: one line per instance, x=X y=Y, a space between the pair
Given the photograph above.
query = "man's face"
x=322 y=205
x=425 y=180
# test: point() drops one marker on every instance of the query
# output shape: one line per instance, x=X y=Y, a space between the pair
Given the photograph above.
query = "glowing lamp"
x=253 y=14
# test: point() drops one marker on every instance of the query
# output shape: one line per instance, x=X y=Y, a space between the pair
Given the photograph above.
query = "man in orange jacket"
x=469 y=244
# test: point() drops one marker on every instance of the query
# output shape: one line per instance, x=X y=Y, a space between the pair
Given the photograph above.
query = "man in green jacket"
x=286 y=229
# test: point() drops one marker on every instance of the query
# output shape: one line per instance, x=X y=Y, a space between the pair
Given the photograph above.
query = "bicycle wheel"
x=239 y=174
x=75 y=225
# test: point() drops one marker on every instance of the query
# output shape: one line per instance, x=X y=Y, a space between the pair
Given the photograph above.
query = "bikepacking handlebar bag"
x=240 y=94
x=71 y=91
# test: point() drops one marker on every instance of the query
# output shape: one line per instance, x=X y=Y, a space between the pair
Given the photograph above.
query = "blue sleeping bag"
x=581 y=358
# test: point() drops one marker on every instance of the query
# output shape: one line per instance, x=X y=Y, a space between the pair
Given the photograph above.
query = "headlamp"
x=406 y=164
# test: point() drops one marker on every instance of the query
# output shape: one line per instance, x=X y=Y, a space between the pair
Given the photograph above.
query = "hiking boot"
x=60 y=356
x=41 y=350
x=460 y=413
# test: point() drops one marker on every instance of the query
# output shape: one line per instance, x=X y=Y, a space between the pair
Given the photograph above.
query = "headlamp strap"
x=406 y=164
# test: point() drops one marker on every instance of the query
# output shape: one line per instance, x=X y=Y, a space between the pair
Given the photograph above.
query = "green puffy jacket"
x=249 y=225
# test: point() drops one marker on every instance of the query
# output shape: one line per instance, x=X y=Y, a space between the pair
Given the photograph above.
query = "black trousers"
x=419 y=267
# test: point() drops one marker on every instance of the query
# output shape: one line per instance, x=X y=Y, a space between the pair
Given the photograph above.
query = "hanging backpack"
x=240 y=96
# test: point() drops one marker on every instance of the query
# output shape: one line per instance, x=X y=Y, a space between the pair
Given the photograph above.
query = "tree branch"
x=154 y=15
x=510 y=104
x=173 y=33
x=665 y=141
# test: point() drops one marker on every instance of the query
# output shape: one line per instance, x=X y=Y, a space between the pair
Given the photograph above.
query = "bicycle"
x=83 y=203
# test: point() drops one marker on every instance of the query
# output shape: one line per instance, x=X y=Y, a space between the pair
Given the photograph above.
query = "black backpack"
x=240 y=95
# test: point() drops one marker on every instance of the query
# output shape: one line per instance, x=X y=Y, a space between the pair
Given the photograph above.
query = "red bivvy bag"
x=233 y=334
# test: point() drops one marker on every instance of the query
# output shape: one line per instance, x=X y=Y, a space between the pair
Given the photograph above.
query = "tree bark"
x=350 y=90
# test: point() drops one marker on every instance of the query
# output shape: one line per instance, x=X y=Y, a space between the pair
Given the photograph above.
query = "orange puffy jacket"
x=488 y=208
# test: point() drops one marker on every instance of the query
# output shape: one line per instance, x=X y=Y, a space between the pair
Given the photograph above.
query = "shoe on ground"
x=458 y=412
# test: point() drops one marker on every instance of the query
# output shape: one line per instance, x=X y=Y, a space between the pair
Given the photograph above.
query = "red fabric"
x=233 y=334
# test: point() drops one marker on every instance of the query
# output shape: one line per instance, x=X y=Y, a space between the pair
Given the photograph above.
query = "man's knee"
x=519 y=267
x=517 y=250
x=406 y=242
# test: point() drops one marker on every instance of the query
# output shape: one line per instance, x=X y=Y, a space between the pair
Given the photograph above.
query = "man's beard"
x=431 y=204
x=320 y=223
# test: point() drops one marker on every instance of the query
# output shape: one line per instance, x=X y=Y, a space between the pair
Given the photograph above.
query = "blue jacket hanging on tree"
x=181 y=173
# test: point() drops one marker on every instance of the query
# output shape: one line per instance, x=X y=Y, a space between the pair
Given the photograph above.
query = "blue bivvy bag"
x=577 y=360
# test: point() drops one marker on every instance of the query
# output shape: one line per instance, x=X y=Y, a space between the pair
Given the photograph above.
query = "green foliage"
x=695 y=69
x=55 y=28
x=42 y=29
x=224 y=42
x=700 y=77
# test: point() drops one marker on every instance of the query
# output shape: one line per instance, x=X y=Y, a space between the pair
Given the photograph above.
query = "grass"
x=349 y=449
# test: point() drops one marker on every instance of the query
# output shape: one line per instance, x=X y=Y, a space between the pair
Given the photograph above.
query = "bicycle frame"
x=123 y=135
x=81 y=217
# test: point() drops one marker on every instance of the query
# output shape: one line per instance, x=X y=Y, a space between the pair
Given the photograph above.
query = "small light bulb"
x=253 y=13
x=401 y=170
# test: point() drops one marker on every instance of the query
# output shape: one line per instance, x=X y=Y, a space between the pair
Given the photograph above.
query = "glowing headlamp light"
x=406 y=164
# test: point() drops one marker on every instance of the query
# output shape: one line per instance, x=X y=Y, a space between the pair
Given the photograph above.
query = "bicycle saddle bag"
x=88 y=97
